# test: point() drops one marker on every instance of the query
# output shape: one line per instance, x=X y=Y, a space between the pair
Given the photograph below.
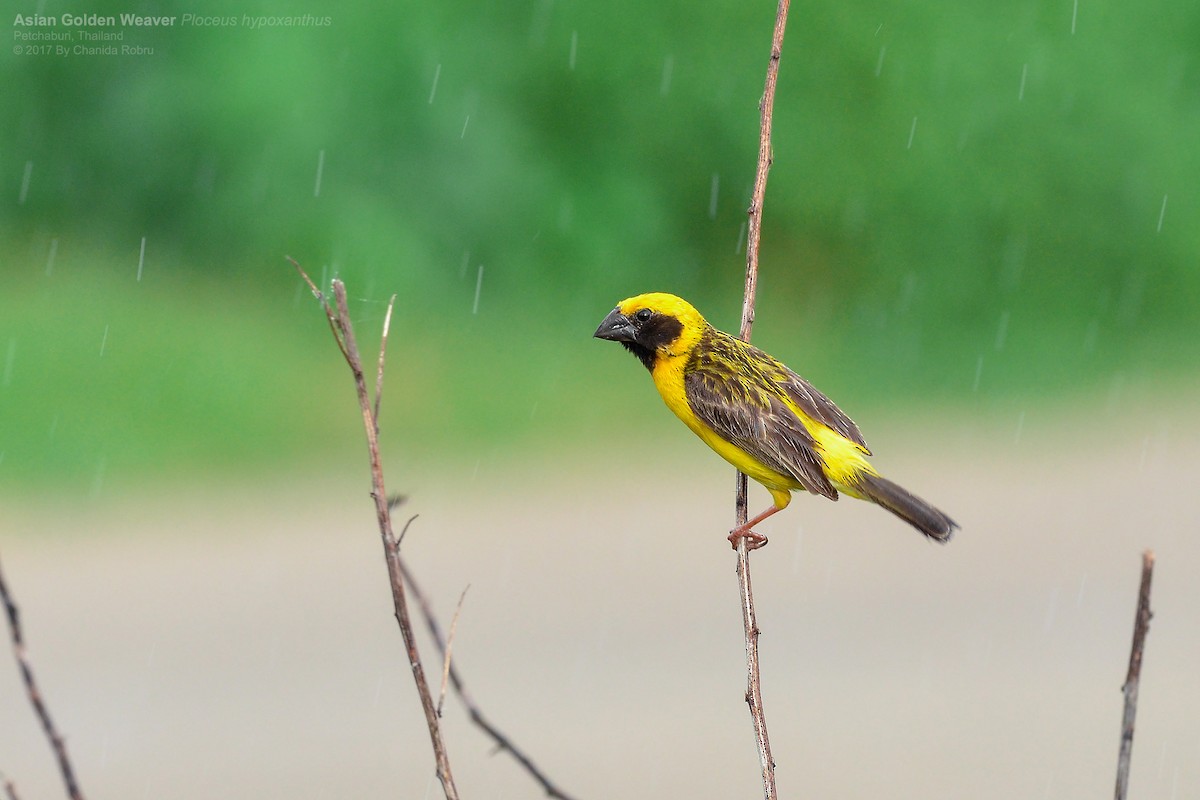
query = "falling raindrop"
x=1014 y=261
x=1089 y=336
x=478 y=286
x=1129 y=304
x=741 y=238
x=533 y=409
x=540 y=22
x=1162 y=212
x=378 y=690
x=463 y=135
x=712 y=195
x=907 y=291
x=437 y=73
x=98 y=479
x=9 y=360
x=50 y=258
x=141 y=259
x=1024 y=74
x=320 y=172
x=566 y=213
x=1074 y=15
x=574 y=49
x=1146 y=441
x=912 y=132
x=1116 y=391
x=25 y=183
x=104 y=341
x=664 y=85
x=978 y=374
x=1002 y=330
x=1051 y=607
x=879 y=63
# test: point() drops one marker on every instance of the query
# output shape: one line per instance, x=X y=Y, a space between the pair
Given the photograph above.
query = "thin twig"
x=57 y=744
x=343 y=332
x=329 y=315
x=449 y=650
x=766 y=108
x=1141 y=624
x=502 y=742
x=753 y=236
x=401 y=576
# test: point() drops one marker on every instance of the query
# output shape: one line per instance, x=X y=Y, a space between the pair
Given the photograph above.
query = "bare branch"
x=57 y=744
x=503 y=743
x=766 y=108
x=343 y=332
x=449 y=648
x=1141 y=625
x=753 y=236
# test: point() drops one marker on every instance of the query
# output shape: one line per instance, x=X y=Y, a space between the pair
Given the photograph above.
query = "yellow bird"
x=757 y=414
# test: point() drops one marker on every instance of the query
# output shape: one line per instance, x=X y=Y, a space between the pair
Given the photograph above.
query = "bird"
x=757 y=414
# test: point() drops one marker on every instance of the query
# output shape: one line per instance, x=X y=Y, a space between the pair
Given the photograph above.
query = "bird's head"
x=653 y=326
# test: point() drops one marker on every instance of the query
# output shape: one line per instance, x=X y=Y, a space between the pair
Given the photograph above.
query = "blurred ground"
x=239 y=642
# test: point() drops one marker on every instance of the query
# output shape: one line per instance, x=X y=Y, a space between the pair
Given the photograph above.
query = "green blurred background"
x=969 y=210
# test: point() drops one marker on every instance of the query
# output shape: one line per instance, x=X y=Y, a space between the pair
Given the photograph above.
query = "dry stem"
x=753 y=236
x=502 y=742
x=446 y=656
x=343 y=333
x=1141 y=624
x=57 y=744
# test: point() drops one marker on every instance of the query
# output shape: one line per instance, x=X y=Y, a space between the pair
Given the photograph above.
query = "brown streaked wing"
x=821 y=408
x=750 y=416
x=786 y=383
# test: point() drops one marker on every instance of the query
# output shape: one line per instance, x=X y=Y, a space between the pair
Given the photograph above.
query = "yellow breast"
x=668 y=379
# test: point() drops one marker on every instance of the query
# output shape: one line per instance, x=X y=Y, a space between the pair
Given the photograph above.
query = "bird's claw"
x=753 y=540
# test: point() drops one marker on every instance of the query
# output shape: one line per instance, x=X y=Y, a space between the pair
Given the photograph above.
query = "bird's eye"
x=643 y=315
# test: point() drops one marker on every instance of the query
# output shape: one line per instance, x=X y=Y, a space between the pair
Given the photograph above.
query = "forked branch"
x=343 y=334
x=400 y=576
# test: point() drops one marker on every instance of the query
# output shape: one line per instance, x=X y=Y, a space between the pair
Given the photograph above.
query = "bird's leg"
x=753 y=540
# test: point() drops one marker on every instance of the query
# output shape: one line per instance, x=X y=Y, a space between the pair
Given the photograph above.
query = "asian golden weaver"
x=757 y=414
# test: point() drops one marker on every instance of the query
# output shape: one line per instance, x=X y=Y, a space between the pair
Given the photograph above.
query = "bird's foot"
x=753 y=540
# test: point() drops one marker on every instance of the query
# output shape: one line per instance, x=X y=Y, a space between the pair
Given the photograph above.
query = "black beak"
x=616 y=327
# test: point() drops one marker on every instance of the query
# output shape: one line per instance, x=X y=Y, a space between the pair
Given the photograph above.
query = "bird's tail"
x=907 y=506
